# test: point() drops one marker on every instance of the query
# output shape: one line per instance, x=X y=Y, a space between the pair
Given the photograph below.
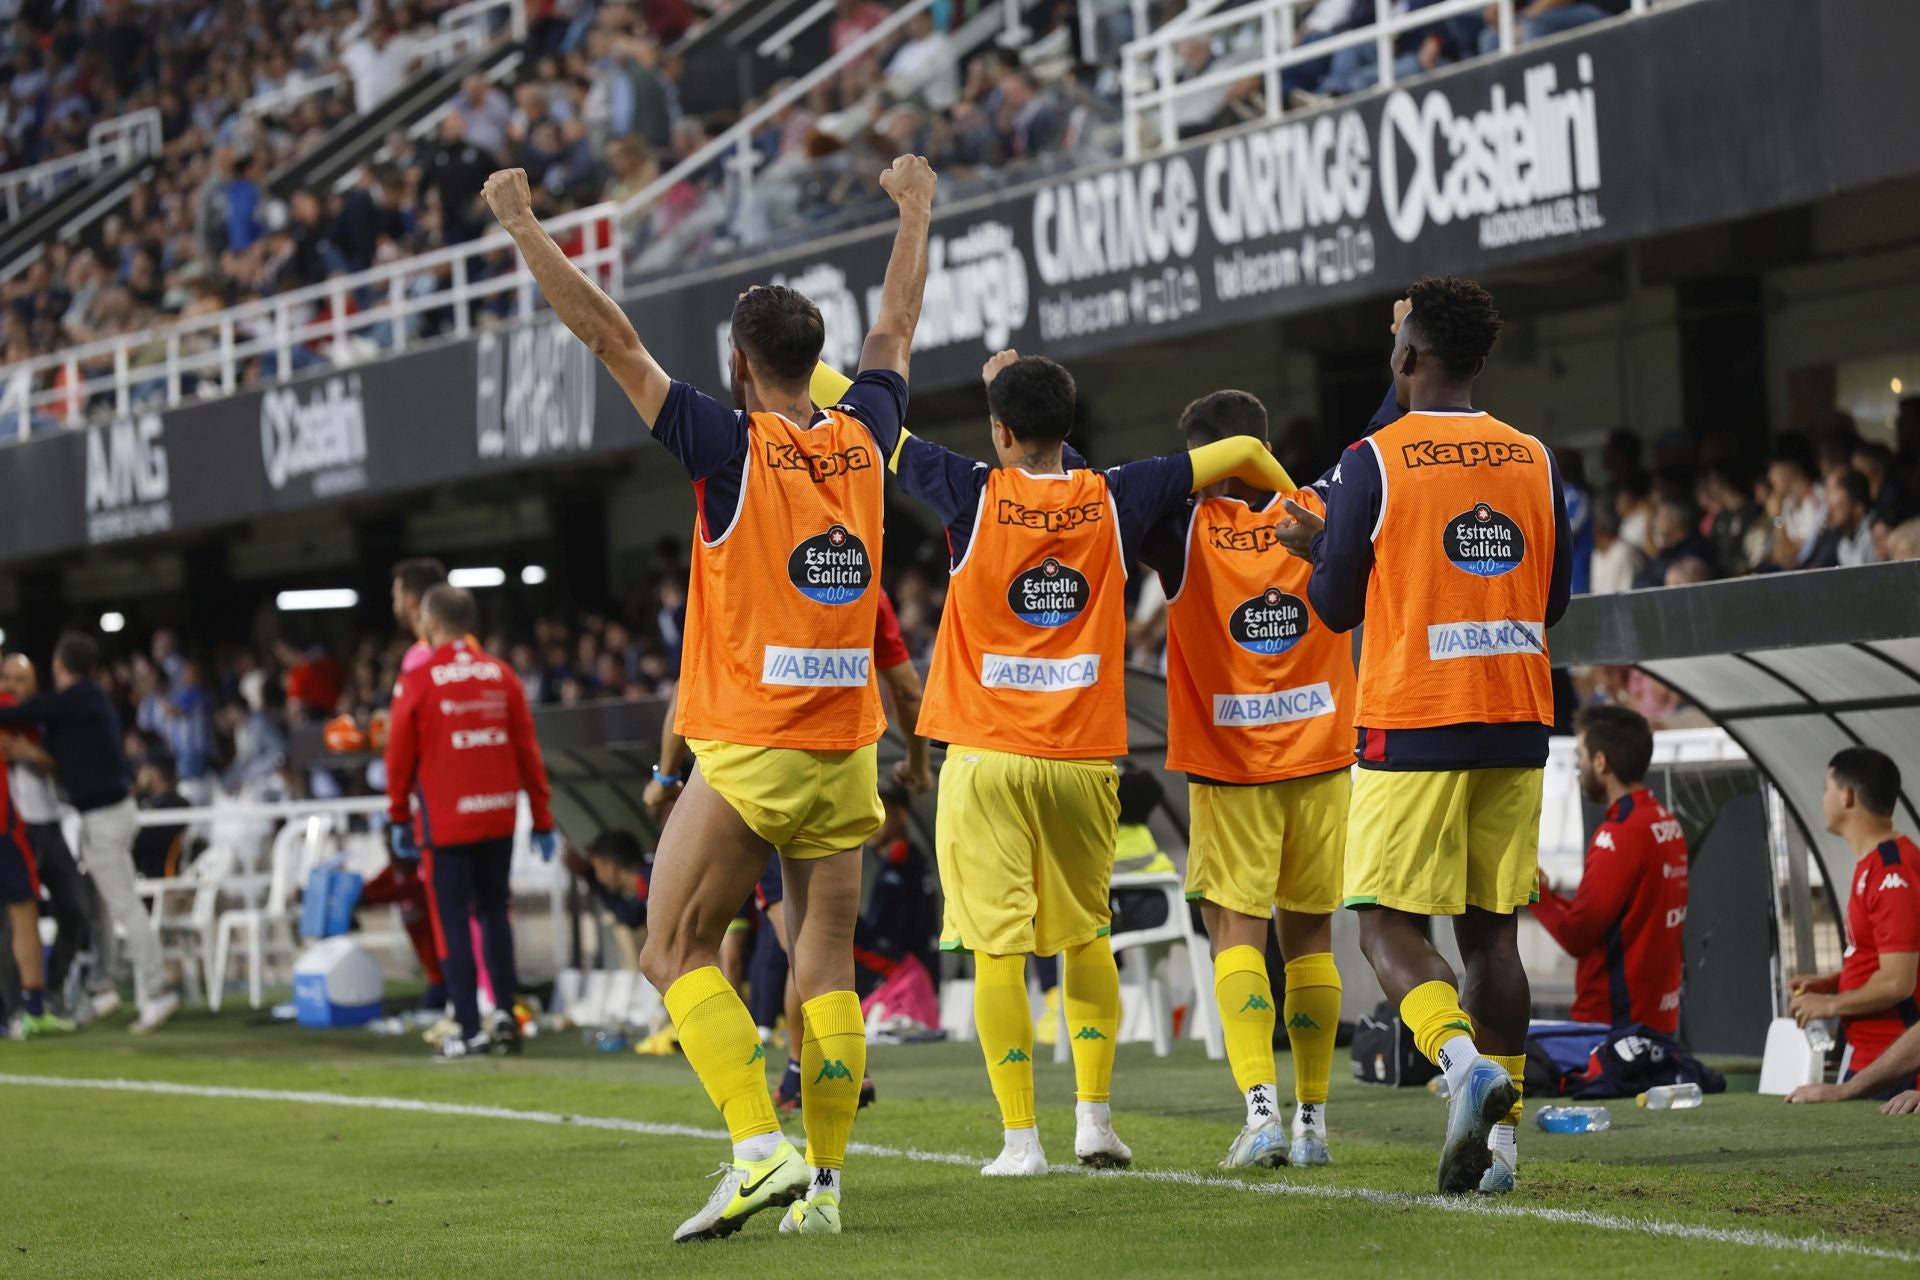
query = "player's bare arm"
x=910 y=182
x=582 y=305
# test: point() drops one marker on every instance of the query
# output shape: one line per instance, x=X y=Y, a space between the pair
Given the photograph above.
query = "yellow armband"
x=829 y=385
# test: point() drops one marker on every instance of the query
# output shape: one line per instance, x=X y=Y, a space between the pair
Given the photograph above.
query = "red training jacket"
x=1623 y=924
x=461 y=749
x=1883 y=915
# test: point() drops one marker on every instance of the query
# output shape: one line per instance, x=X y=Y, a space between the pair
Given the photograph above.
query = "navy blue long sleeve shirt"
x=82 y=734
x=1342 y=566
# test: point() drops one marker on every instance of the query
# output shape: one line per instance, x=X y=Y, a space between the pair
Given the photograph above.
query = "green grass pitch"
x=98 y=1182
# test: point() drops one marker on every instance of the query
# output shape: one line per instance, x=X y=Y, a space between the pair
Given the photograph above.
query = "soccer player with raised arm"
x=777 y=693
x=1260 y=719
x=1446 y=530
x=1027 y=688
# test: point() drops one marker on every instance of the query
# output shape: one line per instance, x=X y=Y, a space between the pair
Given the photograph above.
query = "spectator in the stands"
x=1542 y=18
x=1875 y=461
x=1847 y=539
x=924 y=65
x=1902 y=542
x=1028 y=121
x=1633 y=504
x=1676 y=537
x=315 y=680
x=485 y=113
x=853 y=19
x=245 y=225
x=1734 y=523
x=377 y=62
x=1686 y=571
x=1622 y=925
x=1876 y=993
x=189 y=723
x=1573 y=482
x=456 y=173
x=1616 y=562
x=1796 y=502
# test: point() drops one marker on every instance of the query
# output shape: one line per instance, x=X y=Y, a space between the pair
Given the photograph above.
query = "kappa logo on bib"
x=1049 y=595
x=831 y=567
x=1272 y=622
x=1484 y=542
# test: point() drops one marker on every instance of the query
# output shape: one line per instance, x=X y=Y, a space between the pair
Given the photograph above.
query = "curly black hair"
x=1033 y=397
x=1456 y=321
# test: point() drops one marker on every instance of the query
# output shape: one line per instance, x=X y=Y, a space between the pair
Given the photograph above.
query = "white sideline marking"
x=1444 y=1204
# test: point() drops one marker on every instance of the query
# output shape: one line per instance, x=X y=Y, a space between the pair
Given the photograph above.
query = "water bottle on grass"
x=1671 y=1097
x=1574 y=1119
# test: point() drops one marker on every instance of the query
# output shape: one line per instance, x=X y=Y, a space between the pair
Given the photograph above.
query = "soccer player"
x=1446 y=530
x=20 y=895
x=1027 y=688
x=777 y=692
x=462 y=746
x=401 y=884
x=1624 y=922
x=1260 y=719
x=1876 y=994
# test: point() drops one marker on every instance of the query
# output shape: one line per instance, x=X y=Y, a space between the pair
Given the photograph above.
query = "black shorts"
x=769 y=890
x=19 y=873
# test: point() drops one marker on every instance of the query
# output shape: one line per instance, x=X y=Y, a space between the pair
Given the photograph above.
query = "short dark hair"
x=1033 y=397
x=1622 y=735
x=162 y=763
x=1873 y=775
x=1880 y=455
x=418 y=575
x=1794 y=451
x=1859 y=491
x=78 y=653
x=1140 y=794
x=452 y=607
x=619 y=845
x=1456 y=321
x=1220 y=414
x=1637 y=483
x=780 y=330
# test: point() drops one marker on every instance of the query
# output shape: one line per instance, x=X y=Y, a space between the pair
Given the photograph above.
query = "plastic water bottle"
x=1671 y=1097
x=1574 y=1119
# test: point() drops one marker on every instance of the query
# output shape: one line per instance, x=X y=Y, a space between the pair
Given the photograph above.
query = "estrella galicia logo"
x=1484 y=542
x=1272 y=622
x=831 y=567
x=1048 y=595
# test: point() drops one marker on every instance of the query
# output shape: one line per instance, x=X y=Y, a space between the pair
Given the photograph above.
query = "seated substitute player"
x=1896 y=1069
x=1446 y=530
x=1027 y=688
x=462 y=746
x=1876 y=994
x=1623 y=924
x=1260 y=719
x=777 y=691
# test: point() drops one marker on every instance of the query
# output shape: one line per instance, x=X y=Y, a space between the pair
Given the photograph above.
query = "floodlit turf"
x=99 y=1183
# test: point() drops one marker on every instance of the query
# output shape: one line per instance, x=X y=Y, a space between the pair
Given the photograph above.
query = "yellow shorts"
x=1025 y=847
x=1278 y=843
x=1435 y=843
x=806 y=804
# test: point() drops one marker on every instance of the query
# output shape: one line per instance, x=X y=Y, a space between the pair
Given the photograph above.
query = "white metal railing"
x=377 y=307
x=740 y=136
x=118 y=141
x=297 y=90
x=1154 y=91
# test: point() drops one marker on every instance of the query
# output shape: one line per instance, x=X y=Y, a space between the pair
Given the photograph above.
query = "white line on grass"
x=1468 y=1205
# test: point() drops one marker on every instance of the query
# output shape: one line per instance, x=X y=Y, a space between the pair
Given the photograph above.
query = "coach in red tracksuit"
x=1624 y=924
x=460 y=750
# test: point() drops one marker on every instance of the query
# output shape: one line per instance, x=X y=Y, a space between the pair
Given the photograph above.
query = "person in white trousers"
x=81 y=735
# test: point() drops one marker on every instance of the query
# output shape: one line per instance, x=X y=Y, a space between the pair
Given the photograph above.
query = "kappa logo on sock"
x=1257 y=1002
x=824 y=1179
x=1088 y=1033
x=1263 y=1111
x=759 y=1054
x=1014 y=1055
x=1307 y=1110
x=834 y=1070
x=1301 y=1022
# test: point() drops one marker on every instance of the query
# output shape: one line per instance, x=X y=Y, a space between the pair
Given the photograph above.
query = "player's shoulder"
x=1892 y=867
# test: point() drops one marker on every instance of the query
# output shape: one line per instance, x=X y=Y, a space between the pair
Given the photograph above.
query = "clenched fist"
x=909 y=178
x=999 y=361
x=508 y=196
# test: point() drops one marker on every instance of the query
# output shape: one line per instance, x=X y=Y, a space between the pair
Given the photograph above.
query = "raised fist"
x=909 y=178
x=508 y=196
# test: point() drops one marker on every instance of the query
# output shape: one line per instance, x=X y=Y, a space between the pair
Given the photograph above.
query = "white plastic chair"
x=1155 y=947
x=184 y=910
x=271 y=929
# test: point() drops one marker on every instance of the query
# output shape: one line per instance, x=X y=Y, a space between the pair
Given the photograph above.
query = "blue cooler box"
x=337 y=984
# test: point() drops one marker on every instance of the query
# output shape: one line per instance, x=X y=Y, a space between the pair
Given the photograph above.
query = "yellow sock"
x=1245 y=996
x=724 y=1049
x=1005 y=1023
x=1313 y=1019
x=1091 y=981
x=833 y=1061
x=1516 y=1066
x=1432 y=1012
